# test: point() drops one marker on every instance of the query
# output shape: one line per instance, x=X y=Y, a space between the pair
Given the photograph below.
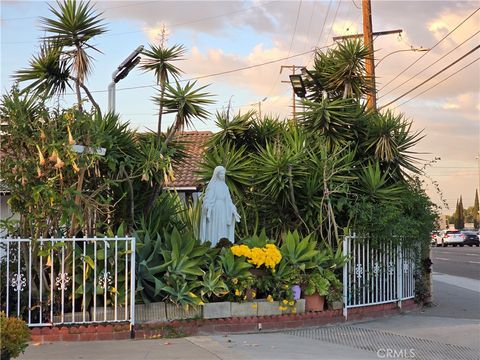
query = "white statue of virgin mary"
x=219 y=214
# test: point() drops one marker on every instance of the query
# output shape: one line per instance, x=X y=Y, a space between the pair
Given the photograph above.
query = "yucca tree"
x=341 y=71
x=63 y=57
x=390 y=139
x=233 y=130
x=187 y=103
x=159 y=60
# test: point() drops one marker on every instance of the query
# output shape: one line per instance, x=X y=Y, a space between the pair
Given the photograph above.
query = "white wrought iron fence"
x=377 y=272
x=53 y=281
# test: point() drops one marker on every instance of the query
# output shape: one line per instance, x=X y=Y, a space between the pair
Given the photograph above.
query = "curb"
x=233 y=325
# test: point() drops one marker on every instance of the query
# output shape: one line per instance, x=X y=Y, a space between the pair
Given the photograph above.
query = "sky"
x=228 y=35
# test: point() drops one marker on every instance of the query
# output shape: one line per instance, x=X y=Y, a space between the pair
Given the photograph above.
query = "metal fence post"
x=399 y=275
x=346 y=239
x=132 y=287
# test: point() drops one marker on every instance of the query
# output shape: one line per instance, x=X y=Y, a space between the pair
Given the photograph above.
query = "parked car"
x=450 y=237
x=434 y=235
x=470 y=238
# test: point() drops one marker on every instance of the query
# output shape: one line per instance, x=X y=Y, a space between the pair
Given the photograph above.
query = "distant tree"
x=476 y=208
x=461 y=216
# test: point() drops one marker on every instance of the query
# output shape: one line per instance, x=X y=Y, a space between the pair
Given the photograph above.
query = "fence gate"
x=376 y=273
x=53 y=281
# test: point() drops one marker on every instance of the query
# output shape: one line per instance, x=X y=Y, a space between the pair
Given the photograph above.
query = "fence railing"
x=377 y=273
x=53 y=281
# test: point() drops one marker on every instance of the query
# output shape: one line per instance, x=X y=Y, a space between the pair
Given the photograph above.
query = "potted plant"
x=315 y=289
x=14 y=335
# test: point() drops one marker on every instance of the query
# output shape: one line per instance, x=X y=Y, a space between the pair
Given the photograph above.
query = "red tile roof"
x=185 y=170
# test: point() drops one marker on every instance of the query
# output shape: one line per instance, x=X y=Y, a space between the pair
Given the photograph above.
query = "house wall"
x=5 y=211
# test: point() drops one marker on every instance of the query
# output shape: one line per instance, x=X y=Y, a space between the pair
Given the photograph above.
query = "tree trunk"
x=79 y=96
x=160 y=114
x=73 y=224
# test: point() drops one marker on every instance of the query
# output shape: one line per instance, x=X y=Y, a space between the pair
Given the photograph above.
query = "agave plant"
x=299 y=252
x=234 y=267
x=212 y=284
x=149 y=266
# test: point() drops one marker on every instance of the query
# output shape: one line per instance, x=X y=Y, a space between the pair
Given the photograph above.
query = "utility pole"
x=369 y=62
x=259 y=107
x=368 y=41
x=293 y=68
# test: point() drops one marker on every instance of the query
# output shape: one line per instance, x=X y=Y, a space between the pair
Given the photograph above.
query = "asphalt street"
x=458 y=261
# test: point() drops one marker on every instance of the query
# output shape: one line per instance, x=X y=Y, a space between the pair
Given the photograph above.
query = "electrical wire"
x=438 y=83
x=429 y=66
x=171 y=26
x=324 y=22
x=431 y=77
x=275 y=83
x=309 y=25
x=333 y=21
x=433 y=47
x=107 y=8
x=214 y=74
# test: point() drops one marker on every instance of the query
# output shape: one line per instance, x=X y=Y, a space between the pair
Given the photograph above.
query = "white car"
x=450 y=237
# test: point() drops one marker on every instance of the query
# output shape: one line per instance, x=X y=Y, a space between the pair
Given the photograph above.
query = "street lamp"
x=298 y=85
x=120 y=73
x=394 y=52
x=259 y=107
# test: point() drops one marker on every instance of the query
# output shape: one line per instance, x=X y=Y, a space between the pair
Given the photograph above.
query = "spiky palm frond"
x=158 y=59
x=73 y=25
x=187 y=102
x=49 y=71
x=332 y=119
x=236 y=161
x=391 y=140
x=233 y=130
x=341 y=71
x=377 y=185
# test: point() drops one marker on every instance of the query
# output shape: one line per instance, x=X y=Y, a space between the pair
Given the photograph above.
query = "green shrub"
x=14 y=335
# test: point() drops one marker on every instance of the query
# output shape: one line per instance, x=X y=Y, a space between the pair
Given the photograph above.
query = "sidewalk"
x=450 y=330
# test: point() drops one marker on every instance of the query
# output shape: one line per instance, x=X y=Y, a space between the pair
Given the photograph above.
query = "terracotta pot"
x=314 y=302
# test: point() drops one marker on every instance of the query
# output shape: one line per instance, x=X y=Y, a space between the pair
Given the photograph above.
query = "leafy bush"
x=14 y=335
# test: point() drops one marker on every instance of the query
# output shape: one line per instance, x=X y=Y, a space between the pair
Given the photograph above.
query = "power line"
x=431 y=77
x=333 y=21
x=438 y=83
x=433 y=47
x=172 y=25
x=321 y=32
x=429 y=66
x=275 y=83
x=215 y=74
x=309 y=25
x=324 y=21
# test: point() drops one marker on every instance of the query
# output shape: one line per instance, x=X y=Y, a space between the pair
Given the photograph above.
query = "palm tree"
x=188 y=103
x=159 y=60
x=64 y=56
